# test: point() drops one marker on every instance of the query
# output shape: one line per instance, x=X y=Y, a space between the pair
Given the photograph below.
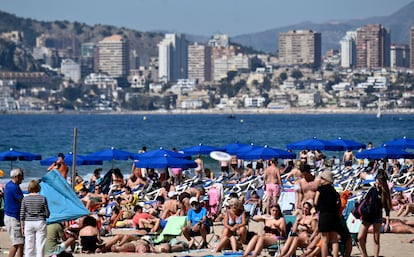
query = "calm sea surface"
x=50 y=134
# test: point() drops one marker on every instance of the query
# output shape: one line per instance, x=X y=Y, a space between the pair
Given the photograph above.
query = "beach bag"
x=364 y=208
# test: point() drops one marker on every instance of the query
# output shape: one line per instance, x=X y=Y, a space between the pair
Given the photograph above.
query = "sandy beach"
x=391 y=245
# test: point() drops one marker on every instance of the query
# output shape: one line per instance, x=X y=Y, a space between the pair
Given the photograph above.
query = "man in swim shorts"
x=273 y=183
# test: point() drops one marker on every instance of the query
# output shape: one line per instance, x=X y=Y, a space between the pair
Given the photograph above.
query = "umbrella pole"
x=75 y=139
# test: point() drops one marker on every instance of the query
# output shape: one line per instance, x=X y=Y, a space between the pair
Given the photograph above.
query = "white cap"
x=193 y=199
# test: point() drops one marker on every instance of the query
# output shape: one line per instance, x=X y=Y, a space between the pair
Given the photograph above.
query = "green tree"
x=296 y=74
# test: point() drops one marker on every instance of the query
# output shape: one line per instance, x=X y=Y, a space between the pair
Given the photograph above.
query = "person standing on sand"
x=348 y=159
x=273 y=183
x=60 y=165
x=33 y=214
x=381 y=199
x=199 y=170
x=13 y=197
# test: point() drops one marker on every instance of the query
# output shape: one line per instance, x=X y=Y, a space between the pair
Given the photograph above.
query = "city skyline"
x=232 y=17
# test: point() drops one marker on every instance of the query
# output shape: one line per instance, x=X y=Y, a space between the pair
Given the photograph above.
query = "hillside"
x=398 y=23
x=145 y=43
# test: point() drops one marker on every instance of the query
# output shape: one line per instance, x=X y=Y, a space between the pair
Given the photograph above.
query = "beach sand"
x=391 y=245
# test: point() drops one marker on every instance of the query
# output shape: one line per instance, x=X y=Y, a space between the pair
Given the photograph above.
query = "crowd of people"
x=319 y=226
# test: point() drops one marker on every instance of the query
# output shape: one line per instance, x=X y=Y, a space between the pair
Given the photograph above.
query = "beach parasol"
x=80 y=160
x=313 y=144
x=162 y=152
x=112 y=154
x=13 y=155
x=401 y=143
x=234 y=148
x=265 y=153
x=161 y=162
x=201 y=149
x=344 y=144
x=384 y=152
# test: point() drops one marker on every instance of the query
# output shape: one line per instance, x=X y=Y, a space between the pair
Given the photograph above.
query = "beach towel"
x=173 y=228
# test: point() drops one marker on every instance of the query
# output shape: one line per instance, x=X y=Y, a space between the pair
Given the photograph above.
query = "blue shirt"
x=196 y=216
x=13 y=196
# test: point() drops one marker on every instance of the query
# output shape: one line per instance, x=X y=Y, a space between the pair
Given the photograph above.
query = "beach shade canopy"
x=162 y=162
x=111 y=154
x=162 y=152
x=266 y=153
x=63 y=203
x=401 y=143
x=80 y=160
x=314 y=144
x=347 y=144
x=385 y=152
x=234 y=148
x=13 y=155
x=201 y=149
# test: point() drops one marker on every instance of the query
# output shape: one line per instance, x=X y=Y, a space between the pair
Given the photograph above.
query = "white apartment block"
x=172 y=58
x=229 y=63
x=400 y=56
x=348 y=49
x=113 y=56
x=70 y=70
x=219 y=40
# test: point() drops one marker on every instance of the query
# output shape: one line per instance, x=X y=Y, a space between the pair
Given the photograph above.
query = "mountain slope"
x=398 y=23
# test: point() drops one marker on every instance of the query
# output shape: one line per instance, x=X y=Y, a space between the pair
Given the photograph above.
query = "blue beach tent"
x=63 y=203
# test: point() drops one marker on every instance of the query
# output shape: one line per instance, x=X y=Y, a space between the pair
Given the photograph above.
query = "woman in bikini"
x=89 y=236
x=235 y=222
x=303 y=231
x=274 y=230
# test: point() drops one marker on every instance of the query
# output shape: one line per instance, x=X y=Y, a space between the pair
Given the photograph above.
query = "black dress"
x=328 y=206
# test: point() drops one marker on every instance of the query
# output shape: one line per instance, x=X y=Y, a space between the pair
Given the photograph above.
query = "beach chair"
x=172 y=229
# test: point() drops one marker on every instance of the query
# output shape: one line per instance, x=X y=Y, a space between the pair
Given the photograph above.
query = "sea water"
x=50 y=134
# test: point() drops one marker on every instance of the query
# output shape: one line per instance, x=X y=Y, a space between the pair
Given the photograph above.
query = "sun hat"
x=327 y=175
x=193 y=200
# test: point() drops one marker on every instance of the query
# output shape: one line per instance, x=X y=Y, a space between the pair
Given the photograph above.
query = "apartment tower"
x=300 y=47
x=199 y=62
x=373 y=47
x=113 y=56
x=348 y=50
x=172 y=58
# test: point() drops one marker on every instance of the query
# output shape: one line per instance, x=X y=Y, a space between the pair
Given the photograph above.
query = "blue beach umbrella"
x=201 y=149
x=266 y=153
x=344 y=144
x=234 y=148
x=401 y=143
x=80 y=160
x=13 y=155
x=384 y=152
x=313 y=144
x=112 y=154
x=162 y=162
x=162 y=152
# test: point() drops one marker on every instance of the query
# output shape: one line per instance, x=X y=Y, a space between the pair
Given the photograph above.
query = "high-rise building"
x=373 y=46
x=172 y=58
x=199 y=62
x=113 y=56
x=87 y=58
x=412 y=48
x=400 y=56
x=300 y=47
x=348 y=50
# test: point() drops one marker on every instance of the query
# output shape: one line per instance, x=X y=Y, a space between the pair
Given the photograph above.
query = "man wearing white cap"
x=196 y=223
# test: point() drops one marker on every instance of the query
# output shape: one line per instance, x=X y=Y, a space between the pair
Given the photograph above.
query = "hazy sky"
x=200 y=17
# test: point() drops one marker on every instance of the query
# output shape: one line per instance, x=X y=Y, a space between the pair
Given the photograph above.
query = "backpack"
x=365 y=208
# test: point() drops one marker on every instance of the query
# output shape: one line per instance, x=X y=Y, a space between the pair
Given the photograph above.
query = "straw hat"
x=327 y=175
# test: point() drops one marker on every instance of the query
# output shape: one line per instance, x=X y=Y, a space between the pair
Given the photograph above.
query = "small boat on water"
x=379 y=110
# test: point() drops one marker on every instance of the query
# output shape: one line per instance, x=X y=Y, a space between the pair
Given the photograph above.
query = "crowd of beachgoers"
x=302 y=204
